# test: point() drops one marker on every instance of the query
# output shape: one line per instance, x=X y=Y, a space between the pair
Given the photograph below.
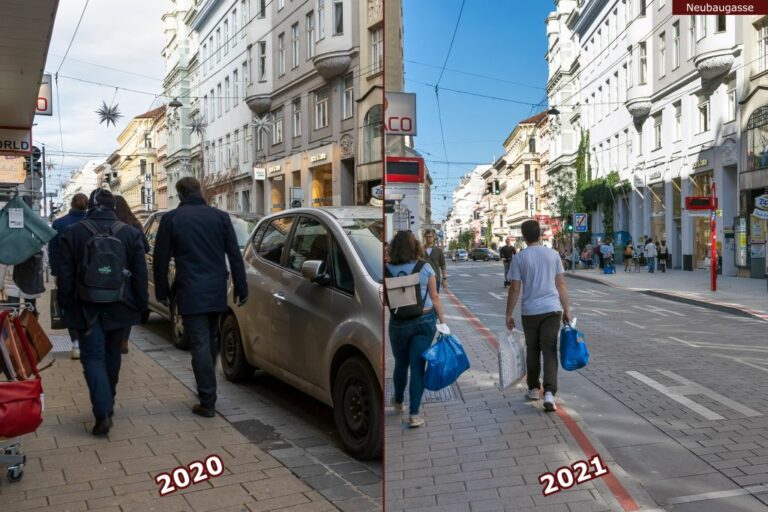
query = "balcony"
x=639 y=102
x=333 y=56
x=258 y=97
x=714 y=56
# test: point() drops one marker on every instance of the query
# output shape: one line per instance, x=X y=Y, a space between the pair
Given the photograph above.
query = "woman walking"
x=125 y=215
x=410 y=338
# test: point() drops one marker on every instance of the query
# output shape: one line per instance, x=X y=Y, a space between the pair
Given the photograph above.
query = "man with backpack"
x=539 y=272
x=201 y=240
x=102 y=279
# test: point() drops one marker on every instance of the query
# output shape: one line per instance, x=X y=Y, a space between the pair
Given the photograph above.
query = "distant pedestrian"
x=436 y=258
x=663 y=256
x=201 y=240
x=628 y=254
x=600 y=257
x=410 y=338
x=650 y=250
x=78 y=208
x=102 y=290
x=124 y=214
x=606 y=251
x=506 y=253
x=539 y=272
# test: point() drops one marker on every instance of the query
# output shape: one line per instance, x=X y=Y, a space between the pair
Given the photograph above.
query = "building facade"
x=82 y=181
x=463 y=215
x=657 y=95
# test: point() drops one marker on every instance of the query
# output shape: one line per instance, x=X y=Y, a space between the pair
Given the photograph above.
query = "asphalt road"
x=677 y=393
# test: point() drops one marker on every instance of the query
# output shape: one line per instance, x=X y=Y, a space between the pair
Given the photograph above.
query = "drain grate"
x=444 y=395
x=61 y=343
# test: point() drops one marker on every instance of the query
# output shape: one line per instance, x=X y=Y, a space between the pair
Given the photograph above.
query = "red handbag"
x=21 y=402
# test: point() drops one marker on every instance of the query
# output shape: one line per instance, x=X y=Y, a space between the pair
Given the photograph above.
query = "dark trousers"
x=100 y=357
x=203 y=331
x=541 y=334
x=73 y=335
x=409 y=339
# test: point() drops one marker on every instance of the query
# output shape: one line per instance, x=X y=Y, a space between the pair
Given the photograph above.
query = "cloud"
x=122 y=35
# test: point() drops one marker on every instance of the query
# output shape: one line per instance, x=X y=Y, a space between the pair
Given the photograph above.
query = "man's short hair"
x=531 y=231
x=79 y=202
x=188 y=186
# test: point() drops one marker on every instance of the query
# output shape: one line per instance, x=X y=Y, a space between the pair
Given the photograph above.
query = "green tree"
x=466 y=238
x=488 y=233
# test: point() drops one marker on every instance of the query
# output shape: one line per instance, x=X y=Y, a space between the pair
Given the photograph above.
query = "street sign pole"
x=573 y=251
x=45 y=190
x=713 y=240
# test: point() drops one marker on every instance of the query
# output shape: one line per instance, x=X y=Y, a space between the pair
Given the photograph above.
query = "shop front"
x=658 y=210
x=753 y=201
x=276 y=188
x=702 y=233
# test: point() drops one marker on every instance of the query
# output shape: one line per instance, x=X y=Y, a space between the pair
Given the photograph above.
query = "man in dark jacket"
x=79 y=205
x=99 y=325
x=436 y=258
x=200 y=239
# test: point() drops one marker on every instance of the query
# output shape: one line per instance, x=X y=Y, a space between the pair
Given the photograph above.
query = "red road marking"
x=617 y=489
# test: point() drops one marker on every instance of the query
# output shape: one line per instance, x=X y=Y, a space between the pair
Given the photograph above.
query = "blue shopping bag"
x=446 y=360
x=573 y=349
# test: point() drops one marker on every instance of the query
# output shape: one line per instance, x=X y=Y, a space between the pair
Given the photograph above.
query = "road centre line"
x=600 y=312
x=499 y=297
x=720 y=346
x=634 y=325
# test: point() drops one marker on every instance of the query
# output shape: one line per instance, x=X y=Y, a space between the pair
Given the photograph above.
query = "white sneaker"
x=398 y=407
x=549 y=402
x=75 y=352
x=415 y=422
x=533 y=394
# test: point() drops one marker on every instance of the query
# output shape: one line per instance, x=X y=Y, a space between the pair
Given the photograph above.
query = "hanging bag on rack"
x=10 y=338
x=21 y=402
x=40 y=342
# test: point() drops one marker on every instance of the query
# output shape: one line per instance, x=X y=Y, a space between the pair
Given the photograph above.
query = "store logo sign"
x=273 y=170
x=700 y=163
x=318 y=157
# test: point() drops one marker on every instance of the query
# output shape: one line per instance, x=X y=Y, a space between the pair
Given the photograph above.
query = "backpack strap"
x=115 y=228
x=419 y=265
x=90 y=226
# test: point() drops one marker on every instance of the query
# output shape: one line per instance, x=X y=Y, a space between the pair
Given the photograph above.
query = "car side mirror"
x=314 y=272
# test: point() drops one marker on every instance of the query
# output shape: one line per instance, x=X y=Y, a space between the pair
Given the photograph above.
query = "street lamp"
x=175 y=103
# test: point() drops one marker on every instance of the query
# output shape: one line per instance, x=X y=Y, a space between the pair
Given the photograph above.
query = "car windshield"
x=367 y=235
x=243 y=229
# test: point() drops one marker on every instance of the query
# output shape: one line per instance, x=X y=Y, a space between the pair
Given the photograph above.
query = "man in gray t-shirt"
x=539 y=271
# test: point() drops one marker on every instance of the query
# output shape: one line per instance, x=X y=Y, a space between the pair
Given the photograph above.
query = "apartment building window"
x=310 y=35
x=609 y=99
x=143 y=167
x=210 y=156
x=657 y=131
x=628 y=10
x=527 y=172
x=377 y=49
x=762 y=48
x=205 y=106
x=213 y=105
x=643 y=64
x=320 y=19
x=630 y=68
x=205 y=58
x=246 y=144
x=259 y=140
x=236 y=147
x=691 y=35
x=222 y=161
x=234 y=28
x=244 y=69
x=262 y=61
x=321 y=108
x=229 y=150
x=280 y=4
x=720 y=23
x=599 y=104
x=243 y=15
x=226 y=94
x=296 y=107
x=678 y=121
x=676 y=45
x=277 y=128
x=294 y=45
x=348 y=98
x=701 y=28
x=643 y=8
x=221 y=99
x=623 y=84
x=262 y=8
x=662 y=54
x=531 y=144
x=338 y=17
x=218 y=45
x=235 y=87
x=730 y=113
x=226 y=37
x=615 y=90
x=703 y=114
x=281 y=54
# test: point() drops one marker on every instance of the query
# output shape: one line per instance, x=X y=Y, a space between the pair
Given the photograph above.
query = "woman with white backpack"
x=415 y=308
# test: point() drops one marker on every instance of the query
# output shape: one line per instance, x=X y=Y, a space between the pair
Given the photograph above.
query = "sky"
x=504 y=40
x=127 y=36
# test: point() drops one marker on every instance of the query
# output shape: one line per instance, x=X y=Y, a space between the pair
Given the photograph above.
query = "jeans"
x=203 y=331
x=409 y=339
x=541 y=335
x=100 y=357
x=651 y=263
x=506 y=271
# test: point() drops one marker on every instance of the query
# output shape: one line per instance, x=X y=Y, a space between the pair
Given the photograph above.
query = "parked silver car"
x=244 y=224
x=314 y=314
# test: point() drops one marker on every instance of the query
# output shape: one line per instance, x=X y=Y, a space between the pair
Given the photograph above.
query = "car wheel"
x=179 y=336
x=357 y=408
x=233 y=361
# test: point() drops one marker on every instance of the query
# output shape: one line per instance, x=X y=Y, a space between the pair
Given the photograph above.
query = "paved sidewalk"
x=154 y=431
x=747 y=295
x=483 y=449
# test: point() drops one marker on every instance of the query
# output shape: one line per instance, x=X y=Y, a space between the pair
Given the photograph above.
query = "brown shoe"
x=124 y=347
x=205 y=412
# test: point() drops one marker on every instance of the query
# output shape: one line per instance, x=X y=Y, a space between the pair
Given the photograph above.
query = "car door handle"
x=279 y=296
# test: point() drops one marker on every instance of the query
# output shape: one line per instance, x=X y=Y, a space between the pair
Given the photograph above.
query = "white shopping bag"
x=511 y=358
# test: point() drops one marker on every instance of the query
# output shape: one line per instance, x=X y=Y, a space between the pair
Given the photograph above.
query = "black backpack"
x=103 y=270
x=404 y=293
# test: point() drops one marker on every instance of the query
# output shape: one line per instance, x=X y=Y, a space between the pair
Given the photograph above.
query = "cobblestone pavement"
x=484 y=449
x=676 y=393
x=274 y=459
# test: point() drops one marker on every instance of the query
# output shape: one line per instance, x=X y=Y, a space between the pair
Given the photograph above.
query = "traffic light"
x=569 y=224
x=489 y=188
x=496 y=188
x=32 y=162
